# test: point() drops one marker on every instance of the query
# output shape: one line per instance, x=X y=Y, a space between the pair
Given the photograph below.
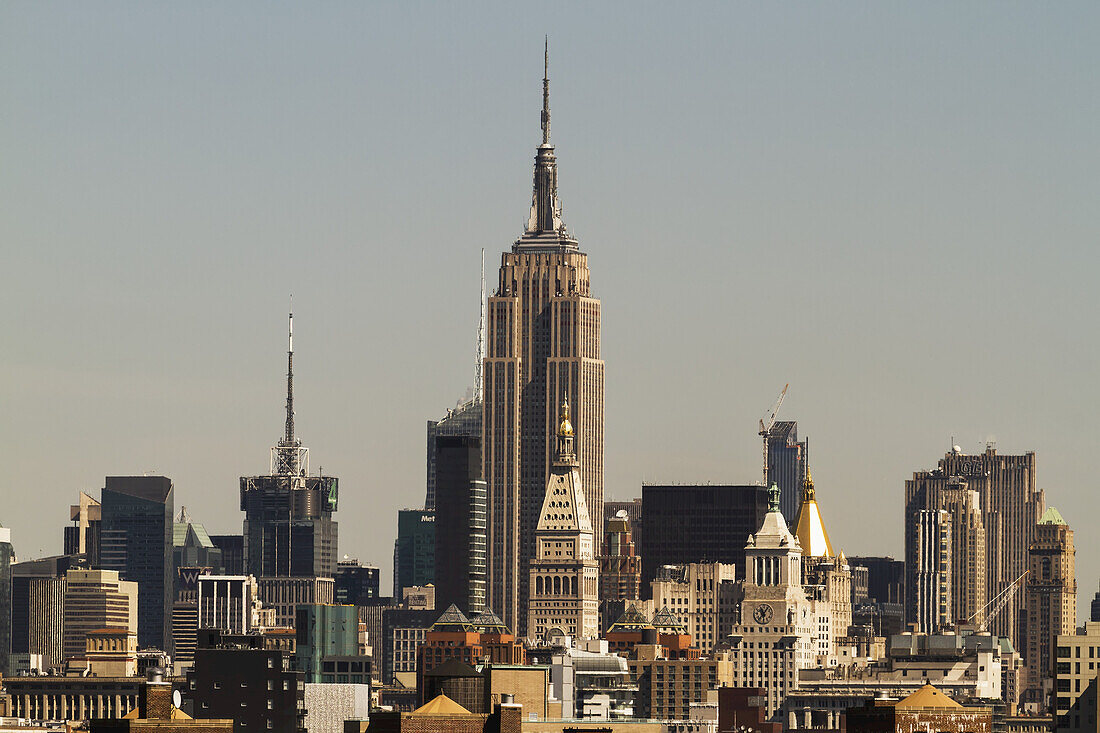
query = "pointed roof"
x=928 y=697
x=810 y=529
x=441 y=705
x=564 y=508
x=1052 y=516
x=631 y=620
x=453 y=668
x=451 y=617
x=666 y=620
x=487 y=619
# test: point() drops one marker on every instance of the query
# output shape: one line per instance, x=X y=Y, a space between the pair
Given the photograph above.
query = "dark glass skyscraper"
x=288 y=526
x=6 y=556
x=686 y=524
x=414 y=550
x=136 y=541
x=461 y=508
x=787 y=458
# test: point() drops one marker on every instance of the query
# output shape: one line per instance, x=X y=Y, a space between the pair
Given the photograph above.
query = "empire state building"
x=543 y=348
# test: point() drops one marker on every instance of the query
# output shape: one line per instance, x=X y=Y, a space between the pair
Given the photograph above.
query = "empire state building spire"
x=545 y=216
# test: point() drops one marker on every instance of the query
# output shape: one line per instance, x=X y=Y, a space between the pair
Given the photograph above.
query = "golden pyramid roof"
x=928 y=697
x=809 y=529
x=441 y=705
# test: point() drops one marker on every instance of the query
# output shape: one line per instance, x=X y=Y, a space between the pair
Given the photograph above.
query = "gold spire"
x=565 y=429
x=809 y=529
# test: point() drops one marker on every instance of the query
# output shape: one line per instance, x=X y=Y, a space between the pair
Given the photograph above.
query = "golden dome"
x=565 y=429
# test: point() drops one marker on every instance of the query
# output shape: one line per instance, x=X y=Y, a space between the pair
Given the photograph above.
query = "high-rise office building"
x=787 y=460
x=633 y=510
x=288 y=526
x=686 y=524
x=192 y=547
x=227 y=602
x=928 y=569
x=826 y=575
x=702 y=596
x=327 y=644
x=965 y=559
x=414 y=549
x=38 y=611
x=356 y=584
x=1011 y=505
x=620 y=564
x=232 y=547
x=96 y=599
x=1051 y=601
x=543 y=347
x=136 y=541
x=7 y=556
x=563 y=575
x=463 y=421
x=460 y=517
x=82 y=536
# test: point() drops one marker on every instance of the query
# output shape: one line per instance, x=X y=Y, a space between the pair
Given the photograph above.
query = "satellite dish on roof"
x=177 y=699
x=622 y=514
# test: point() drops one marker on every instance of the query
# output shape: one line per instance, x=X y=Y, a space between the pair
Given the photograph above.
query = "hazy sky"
x=892 y=206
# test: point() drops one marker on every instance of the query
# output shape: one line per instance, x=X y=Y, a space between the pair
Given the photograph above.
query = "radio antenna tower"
x=479 y=386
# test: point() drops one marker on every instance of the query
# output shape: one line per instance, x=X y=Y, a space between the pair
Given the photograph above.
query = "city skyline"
x=121 y=365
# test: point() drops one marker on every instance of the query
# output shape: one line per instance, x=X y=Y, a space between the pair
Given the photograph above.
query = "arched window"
x=538 y=585
x=1046 y=568
x=557 y=586
x=573 y=585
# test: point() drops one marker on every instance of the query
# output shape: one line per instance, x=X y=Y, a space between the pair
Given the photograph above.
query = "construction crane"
x=997 y=603
x=765 y=428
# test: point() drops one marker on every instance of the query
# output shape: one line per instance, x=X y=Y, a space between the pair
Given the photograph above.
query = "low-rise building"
x=927 y=709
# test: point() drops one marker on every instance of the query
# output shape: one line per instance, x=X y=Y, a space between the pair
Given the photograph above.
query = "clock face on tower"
x=762 y=614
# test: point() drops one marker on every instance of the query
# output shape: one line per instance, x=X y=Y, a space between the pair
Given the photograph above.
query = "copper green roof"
x=1051 y=516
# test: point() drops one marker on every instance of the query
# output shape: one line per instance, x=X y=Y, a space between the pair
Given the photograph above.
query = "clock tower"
x=775 y=634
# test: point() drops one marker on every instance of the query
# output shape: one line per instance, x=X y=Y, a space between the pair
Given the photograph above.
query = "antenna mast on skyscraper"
x=479 y=386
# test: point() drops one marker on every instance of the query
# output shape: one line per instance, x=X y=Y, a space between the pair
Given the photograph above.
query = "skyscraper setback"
x=543 y=348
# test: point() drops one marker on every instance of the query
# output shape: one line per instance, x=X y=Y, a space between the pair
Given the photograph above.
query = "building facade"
x=777 y=632
x=96 y=599
x=787 y=461
x=461 y=503
x=464 y=421
x=414 y=549
x=702 y=596
x=289 y=530
x=1011 y=505
x=620 y=564
x=563 y=587
x=356 y=583
x=543 y=346
x=686 y=524
x=1051 y=602
x=136 y=540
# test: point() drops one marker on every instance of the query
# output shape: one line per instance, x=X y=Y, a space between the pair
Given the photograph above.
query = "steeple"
x=545 y=225
x=810 y=529
x=566 y=454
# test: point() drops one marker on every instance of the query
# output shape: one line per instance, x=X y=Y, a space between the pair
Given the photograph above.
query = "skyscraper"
x=964 y=554
x=787 y=458
x=563 y=574
x=136 y=541
x=96 y=599
x=82 y=537
x=686 y=524
x=7 y=556
x=1051 y=601
x=288 y=526
x=460 y=524
x=543 y=346
x=414 y=549
x=1010 y=505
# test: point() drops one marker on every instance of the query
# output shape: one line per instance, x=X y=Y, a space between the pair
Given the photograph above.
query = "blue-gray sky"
x=892 y=206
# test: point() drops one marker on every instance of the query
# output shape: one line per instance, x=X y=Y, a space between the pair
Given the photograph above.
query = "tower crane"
x=765 y=428
x=997 y=603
